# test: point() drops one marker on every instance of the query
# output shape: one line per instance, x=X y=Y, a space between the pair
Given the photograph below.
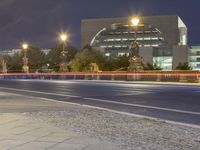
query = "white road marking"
x=107 y=101
x=133 y=92
x=112 y=111
x=123 y=113
x=38 y=92
x=144 y=106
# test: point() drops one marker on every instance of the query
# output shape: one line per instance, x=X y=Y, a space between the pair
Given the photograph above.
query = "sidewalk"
x=20 y=133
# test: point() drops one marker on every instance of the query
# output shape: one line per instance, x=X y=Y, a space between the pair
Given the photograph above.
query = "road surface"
x=168 y=102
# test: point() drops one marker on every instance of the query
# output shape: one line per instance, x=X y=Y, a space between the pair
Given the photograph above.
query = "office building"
x=162 y=39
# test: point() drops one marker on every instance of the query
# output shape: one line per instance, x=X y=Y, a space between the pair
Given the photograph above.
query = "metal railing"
x=161 y=76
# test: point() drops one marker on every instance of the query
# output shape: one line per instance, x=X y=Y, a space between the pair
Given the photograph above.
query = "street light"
x=135 y=59
x=25 y=46
x=64 y=38
x=25 y=59
x=135 y=21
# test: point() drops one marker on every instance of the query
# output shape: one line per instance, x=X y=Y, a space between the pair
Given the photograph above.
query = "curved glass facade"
x=116 y=39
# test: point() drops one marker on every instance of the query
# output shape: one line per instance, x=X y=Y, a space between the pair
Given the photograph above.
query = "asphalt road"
x=168 y=102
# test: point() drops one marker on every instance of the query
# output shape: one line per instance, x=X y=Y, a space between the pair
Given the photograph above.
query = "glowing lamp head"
x=135 y=21
x=63 y=37
x=25 y=46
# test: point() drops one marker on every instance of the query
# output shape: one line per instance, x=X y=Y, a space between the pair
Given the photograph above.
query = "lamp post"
x=63 y=38
x=135 y=21
x=135 y=59
x=64 y=66
x=25 y=59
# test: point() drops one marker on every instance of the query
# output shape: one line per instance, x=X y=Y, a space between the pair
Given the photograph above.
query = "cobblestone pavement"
x=21 y=133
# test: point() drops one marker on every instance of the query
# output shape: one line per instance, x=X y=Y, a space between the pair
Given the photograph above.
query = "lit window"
x=110 y=39
x=155 y=45
x=107 y=54
x=161 y=38
x=121 y=54
x=154 y=38
x=117 y=32
x=184 y=40
x=103 y=46
x=147 y=45
x=148 y=38
x=140 y=32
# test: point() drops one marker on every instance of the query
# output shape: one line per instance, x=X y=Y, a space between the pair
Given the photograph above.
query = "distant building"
x=194 y=57
x=14 y=51
x=162 y=39
x=9 y=52
x=45 y=51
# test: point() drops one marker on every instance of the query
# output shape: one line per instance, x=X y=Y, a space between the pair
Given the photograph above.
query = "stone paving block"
x=82 y=140
x=68 y=146
x=14 y=123
x=19 y=133
x=34 y=146
x=56 y=137
x=7 y=144
x=30 y=136
x=25 y=130
x=101 y=146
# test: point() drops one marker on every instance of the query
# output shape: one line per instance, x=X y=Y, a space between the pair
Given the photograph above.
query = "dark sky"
x=39 y=21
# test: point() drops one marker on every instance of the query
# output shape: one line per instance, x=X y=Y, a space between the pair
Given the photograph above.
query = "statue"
x=4 y=66
x=135 y=59
x=134 y=49
x=64 y=66
x=25 y=66
x=94 y=67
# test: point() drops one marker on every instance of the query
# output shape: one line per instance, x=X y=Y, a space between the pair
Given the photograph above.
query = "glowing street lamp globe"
x=25 y=46
x=135 y=21
x=63 y=37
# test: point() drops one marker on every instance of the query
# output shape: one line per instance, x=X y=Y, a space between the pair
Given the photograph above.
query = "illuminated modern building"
x=194 y=57
x=162 y=39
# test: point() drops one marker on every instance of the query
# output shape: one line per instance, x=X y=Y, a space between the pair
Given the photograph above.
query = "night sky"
x=39 y=21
